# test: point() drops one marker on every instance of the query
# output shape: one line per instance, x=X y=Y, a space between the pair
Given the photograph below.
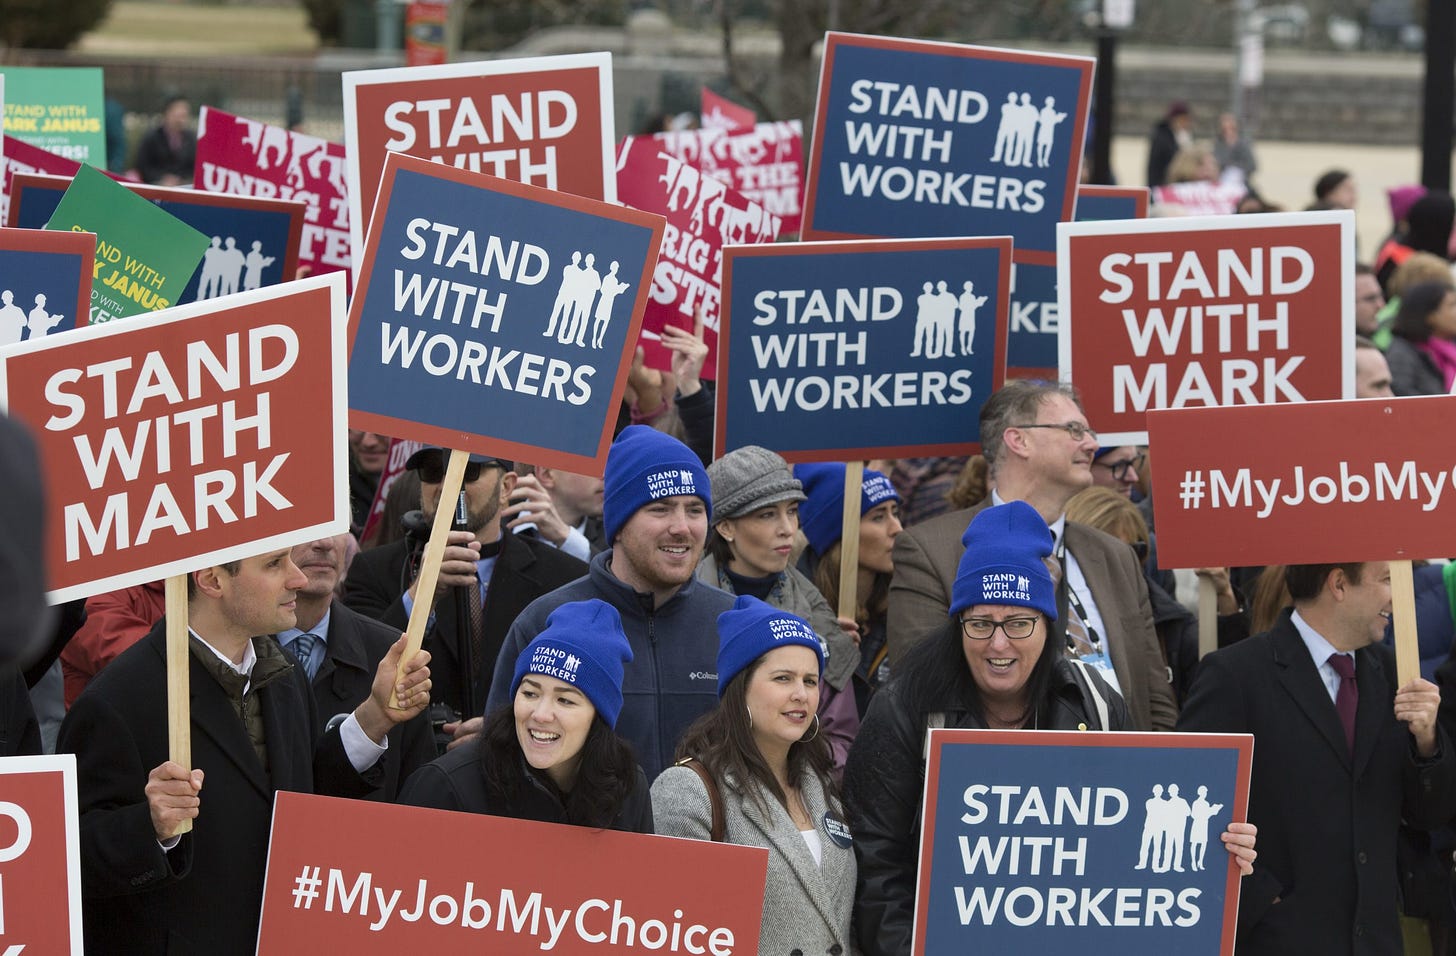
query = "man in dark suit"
x=340 y=650
x=1340 y=757
x=1039 y=450
x=506 y=572
x=255 y=731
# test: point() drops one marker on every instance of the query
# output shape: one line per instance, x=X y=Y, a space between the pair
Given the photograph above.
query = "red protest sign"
x=703 y=215
x=1225 y=498
x=377 y=896
x=1177 y=313
x=187 y=437
x=766 y=163
x=719 y=112
x=545 y=121
x=250 y=158
x=40 y=856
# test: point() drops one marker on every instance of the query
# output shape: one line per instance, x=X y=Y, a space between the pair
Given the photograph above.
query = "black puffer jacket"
x=456 y=781
x=885 y=779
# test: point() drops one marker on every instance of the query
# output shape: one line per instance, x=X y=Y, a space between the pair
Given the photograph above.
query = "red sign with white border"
x=542 y=886
x=187 y=437
x=40 y=856
x=1315 y=483
x=1193 y=312
x=544 y=121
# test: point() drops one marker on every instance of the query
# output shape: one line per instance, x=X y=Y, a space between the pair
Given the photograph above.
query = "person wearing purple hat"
x=995 y=663
x=552 y=754
x=822 y=518
x=761 y=759
x=656 y=506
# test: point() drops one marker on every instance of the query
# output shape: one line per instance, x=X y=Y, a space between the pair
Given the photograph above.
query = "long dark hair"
x=604 y=779
x=1417 y=305
x=722 y=740
x=933 y=676
x=869 y=607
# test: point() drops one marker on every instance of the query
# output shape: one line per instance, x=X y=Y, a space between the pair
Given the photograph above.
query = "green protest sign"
x=60 y=109
x=144 y=255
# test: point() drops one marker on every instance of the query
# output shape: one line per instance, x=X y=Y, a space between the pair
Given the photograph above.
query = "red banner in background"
x=250 y=158
x=719 y=112
x=424 y=33
x=1315 y=483
x=766 y=163
x=703 y=215
x=497 y=885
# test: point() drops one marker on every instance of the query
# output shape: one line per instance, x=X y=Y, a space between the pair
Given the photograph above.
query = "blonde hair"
x=1187 y=165
x=972 y=485
x=1110 y=511
x=1419 y=267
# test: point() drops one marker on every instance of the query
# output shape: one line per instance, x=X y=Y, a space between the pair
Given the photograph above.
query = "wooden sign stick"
x=1403 y=609
x=429 y=574
x=1207 y=616
x=179 y=687
x=849 y=542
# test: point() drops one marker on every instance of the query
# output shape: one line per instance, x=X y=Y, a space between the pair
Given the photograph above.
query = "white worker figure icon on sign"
x=939 y=315
x=1168 y=820
x=12 y=320
x=1026 y=134
x=16 y=325
x=572 y=313
x=969 y=303
x=39 y=322
x=223 y=265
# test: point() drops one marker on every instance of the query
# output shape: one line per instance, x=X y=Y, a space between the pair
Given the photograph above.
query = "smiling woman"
x=552 y=755
x=756 y=772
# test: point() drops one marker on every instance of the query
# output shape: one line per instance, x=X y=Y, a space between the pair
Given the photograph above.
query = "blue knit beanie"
x=582 y=645
x=751 y=629
x=643 y=465
x=822 y=516
x=1005 y=545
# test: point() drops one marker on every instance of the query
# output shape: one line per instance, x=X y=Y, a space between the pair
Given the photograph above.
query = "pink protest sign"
x=766 y=163
x=703 y=215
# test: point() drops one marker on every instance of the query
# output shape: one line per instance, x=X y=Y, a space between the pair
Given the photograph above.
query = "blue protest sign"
x=496 y=317
x=254 y=240
x=845 y=350
x=1061 y=841
x=45 y=282
x=913 y=138
x=1032 y=350
x=1101 y=203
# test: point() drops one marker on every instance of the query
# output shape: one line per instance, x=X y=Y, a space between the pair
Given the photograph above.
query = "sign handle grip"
x=1207 y=616
x=429 y=574
x=849 y=542
x=1403 y=605
x=179 y=690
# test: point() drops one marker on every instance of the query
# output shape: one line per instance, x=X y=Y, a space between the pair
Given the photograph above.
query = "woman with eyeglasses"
x=756 y=772
x=995 y=666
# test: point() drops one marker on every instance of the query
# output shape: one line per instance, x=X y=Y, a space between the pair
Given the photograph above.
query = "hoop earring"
x=805 y=740
x=750 y=716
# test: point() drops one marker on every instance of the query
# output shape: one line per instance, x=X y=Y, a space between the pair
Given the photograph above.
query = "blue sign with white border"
x=496 y=317
x=877 y=348
x=915 y=138
x=1102 y=843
